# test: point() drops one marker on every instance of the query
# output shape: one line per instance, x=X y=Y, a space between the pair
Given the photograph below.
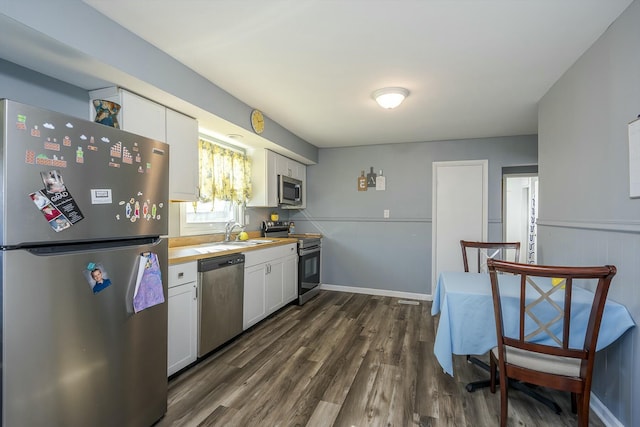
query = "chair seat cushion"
x=557 y=365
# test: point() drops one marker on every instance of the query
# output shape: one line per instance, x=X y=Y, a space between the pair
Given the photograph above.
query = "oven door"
x=308 y=273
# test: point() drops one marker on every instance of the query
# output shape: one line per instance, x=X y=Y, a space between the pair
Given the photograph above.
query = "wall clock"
x=257 y=121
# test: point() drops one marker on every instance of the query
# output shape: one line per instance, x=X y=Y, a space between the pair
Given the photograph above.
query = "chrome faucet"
x=228 y=228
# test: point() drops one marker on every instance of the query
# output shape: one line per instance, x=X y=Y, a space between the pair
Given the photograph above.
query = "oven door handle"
x=308 y=251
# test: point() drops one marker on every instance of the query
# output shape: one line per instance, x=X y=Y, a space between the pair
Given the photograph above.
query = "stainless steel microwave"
x=289 y=191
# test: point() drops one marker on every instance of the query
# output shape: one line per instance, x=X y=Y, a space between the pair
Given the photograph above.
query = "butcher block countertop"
x=303 y=235
x=193 y=248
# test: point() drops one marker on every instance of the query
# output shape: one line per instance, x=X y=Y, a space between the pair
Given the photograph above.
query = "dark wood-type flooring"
x=344 y=360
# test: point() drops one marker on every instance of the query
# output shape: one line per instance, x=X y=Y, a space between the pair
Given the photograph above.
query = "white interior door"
x=459 y=211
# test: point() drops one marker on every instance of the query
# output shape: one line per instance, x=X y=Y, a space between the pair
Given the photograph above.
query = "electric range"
x=309 y=249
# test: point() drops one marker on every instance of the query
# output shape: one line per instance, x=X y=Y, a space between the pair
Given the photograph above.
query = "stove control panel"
x=275 y=225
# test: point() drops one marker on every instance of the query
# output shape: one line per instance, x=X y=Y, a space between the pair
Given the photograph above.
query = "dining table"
x=467 y=321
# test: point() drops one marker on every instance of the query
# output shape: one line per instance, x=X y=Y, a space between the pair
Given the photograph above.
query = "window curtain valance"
x=225 y=174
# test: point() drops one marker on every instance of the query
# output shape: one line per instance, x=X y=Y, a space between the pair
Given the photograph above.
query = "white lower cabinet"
x=254 y=295
x=182 y=339
x=290 y=278
x=273 y=284
x=270 y=281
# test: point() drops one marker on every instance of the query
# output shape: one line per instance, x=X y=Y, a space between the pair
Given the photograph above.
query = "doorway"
x=520 y=212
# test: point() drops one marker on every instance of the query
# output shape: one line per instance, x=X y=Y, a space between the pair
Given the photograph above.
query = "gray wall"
x=586 y=216
x=361 y=248
x=29 y=87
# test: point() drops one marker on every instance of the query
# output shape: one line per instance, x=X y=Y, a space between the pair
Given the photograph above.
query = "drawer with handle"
x=180 y=274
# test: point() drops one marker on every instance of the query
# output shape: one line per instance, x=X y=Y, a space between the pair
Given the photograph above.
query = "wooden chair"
x=558 y=366
x=486 y=250
x=482 y=251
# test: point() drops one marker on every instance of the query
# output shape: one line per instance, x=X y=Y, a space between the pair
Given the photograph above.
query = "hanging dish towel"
x=148 y=291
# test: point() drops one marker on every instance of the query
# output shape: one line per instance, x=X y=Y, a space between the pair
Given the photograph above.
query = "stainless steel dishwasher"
x=220 y=291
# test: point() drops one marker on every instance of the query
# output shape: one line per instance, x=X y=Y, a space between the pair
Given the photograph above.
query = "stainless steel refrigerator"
x=83 y=207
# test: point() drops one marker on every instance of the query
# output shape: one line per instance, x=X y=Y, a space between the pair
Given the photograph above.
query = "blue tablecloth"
x=467 y=322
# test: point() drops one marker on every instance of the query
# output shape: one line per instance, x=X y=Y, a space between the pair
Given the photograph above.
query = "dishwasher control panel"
x=208 y=264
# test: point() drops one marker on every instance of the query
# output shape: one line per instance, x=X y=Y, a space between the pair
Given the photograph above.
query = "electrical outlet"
x=386 y=213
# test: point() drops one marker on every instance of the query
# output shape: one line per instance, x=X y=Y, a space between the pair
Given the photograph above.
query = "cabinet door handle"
x=180 y=275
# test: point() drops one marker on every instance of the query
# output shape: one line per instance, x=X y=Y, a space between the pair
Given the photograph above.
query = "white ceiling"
x=474 y=68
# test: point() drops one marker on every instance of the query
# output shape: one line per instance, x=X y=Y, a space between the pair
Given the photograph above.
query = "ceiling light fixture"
x=390 y=97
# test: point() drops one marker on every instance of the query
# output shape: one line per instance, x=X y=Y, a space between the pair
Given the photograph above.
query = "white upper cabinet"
x=291 y=168
x=147 y=118
x=265 y=168
x=143 y=117
x=264 y=191
x=182 y=136
x=137 y=114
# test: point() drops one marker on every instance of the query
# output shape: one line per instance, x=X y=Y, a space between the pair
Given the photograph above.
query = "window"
x=208 y=217
x=225 y=186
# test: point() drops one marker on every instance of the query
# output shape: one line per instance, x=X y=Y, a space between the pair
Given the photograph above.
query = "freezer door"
x=66 y=179
x=72 y=357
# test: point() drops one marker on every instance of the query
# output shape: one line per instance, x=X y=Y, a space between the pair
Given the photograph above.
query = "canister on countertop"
x=292 y=227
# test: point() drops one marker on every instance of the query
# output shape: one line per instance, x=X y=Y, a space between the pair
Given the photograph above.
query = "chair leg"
x=504 y=401
x=583 y=408
x=574 y=408
x=492 y=372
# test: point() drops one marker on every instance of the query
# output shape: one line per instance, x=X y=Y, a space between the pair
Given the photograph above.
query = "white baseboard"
x=604 y=413
x=379 y=292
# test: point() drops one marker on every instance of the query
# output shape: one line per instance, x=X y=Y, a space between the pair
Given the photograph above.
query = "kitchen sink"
x=258 y=241
x=208 y=248
x=244 y=243
x=224 y=246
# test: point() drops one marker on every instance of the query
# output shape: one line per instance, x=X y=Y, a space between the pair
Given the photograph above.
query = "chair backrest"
x=547 y=295
x=485 y=250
